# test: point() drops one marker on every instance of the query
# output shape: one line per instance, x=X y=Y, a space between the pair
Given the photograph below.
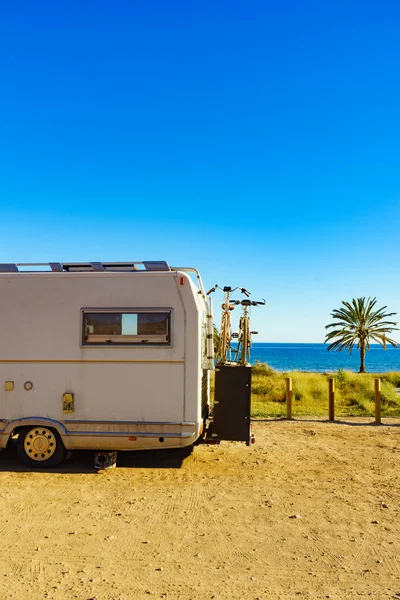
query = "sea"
x=316 y=357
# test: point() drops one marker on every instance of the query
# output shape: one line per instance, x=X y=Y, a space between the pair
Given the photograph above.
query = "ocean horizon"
x=316 y=358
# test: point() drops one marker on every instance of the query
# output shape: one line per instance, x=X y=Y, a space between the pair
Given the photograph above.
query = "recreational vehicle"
x=102 y=356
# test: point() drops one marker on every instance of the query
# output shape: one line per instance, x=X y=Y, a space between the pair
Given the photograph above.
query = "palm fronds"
x=357 y=323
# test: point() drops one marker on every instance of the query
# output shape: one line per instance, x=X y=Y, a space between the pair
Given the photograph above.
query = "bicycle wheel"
x=239 y=348
x=223 y=345
x=245 y=357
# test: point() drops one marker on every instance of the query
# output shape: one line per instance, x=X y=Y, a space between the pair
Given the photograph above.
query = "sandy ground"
x=312 y=510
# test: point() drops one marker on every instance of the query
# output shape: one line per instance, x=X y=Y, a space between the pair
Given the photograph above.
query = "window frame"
x=126 y=310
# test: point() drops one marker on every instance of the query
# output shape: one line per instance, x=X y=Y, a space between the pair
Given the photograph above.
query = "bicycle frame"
x=244 y=343
x=223 y=352
x=242 y=355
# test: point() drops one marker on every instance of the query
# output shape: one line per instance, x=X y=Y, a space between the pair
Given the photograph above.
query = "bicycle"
x=242 y=355
x=224 y=350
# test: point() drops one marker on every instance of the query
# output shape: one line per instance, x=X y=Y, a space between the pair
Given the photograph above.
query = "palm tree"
x=358 y=323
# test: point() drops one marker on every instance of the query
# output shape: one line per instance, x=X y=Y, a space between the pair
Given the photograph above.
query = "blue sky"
x=256 y=141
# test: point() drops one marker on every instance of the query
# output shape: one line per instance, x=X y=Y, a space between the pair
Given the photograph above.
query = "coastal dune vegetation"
x=354 y=393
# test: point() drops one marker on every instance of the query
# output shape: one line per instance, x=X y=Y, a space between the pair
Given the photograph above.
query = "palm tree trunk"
x=362 y=357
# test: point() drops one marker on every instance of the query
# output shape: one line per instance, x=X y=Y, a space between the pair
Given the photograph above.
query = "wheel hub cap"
x=40 y=444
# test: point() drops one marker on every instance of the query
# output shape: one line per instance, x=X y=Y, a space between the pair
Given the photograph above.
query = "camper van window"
x=136 y=327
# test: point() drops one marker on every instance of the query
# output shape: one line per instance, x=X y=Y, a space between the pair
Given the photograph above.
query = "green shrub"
x=260 y=368
x=392 y=377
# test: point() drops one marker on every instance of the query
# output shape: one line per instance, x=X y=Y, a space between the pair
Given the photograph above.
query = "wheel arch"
x=15 y=427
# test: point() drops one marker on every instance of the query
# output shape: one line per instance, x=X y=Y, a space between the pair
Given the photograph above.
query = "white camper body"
x=103 y=357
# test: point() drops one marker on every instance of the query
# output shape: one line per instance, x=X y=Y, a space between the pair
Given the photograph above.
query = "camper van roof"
x=58 y=267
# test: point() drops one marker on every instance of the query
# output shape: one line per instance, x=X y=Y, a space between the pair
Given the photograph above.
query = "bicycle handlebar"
x=248 y=302
x=228 y=290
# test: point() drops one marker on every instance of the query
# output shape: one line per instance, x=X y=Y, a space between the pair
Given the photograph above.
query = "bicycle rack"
x=232 y=395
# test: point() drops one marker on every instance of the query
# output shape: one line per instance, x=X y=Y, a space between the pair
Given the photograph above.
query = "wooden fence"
x=331 y=399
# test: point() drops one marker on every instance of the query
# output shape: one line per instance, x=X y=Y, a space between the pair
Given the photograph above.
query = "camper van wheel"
x=40 y=447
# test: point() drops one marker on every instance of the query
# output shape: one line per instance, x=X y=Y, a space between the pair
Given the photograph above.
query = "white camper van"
x=104 y=356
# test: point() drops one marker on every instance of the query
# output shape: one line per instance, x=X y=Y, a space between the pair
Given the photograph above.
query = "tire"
x=40 y=447
x=224 y=340
x=245 y=341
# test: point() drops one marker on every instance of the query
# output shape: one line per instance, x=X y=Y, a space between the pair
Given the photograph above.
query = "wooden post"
x=377 y=401
x=331 y=383
x=289 y=396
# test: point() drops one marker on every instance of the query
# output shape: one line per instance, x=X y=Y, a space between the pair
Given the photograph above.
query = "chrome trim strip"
x=144 y=434
x=181 y=423
x=49 y=361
